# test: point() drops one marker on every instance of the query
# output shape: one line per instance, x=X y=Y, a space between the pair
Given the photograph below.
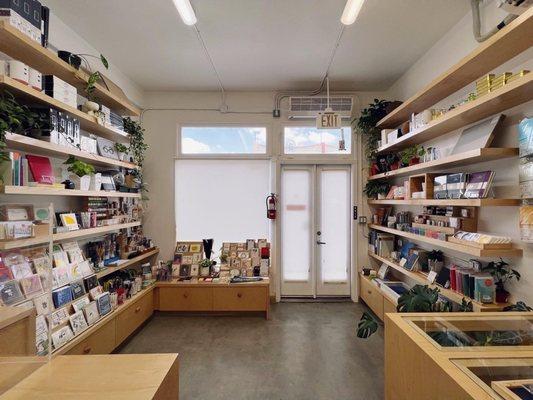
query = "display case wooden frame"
x=416 y=183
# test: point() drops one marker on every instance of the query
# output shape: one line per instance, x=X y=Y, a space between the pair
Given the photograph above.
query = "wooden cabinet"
x=240 y=299
x=185 y=299
x=101 y=341
x=372 y=296
x=388 y=306
x=17 y=331
x=133 y=316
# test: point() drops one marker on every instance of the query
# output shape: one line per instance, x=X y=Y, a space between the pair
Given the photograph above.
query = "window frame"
x=227 y=156
x=348 y=157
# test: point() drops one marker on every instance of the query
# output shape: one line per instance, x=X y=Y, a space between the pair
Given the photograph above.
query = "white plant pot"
x=81 y=183
x=381 y=196
x=91 y=107
x=122 y=156
x=96 y=181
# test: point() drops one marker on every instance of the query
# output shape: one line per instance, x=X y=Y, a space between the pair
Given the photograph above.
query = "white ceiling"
x=261 y=44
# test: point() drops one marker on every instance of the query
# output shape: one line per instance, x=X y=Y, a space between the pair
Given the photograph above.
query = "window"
x=309 y=140
x=223 y=140
x=222 y=199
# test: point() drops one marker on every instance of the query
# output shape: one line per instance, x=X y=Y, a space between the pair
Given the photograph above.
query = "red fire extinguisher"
x=271 y=206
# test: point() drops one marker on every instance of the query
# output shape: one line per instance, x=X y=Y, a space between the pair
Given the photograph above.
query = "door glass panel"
x=296 y=224
x=334 y=225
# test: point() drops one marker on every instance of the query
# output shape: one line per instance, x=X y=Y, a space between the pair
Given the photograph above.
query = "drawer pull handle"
x=370 y=292
x=239 y=295
x=87 y=350
x=138 y=309
x=185 y=295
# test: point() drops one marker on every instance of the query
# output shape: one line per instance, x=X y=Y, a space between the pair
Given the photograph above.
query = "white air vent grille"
x=309 y=107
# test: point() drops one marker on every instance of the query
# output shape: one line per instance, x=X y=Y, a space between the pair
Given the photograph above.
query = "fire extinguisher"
x=271 y=206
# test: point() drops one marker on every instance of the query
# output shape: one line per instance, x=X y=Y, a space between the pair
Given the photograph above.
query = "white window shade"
x=222 y=199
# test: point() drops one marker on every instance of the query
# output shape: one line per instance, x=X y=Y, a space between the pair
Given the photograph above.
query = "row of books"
x=463 y=185
x=475 y=285
x=381 y=244
x=26 y=170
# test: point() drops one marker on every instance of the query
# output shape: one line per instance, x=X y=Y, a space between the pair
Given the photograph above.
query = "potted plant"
x=137 y=149
x=122 y=151
x=435 y=260
x=205 y=267
x=375 y=189
x=393 y=161
x=502 y=273
x=80 y=173
x=411 y=155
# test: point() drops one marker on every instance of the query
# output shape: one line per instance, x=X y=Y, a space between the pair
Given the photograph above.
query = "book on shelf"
x=479 y=184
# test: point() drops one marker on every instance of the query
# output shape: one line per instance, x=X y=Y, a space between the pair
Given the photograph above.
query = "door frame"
x=354 y=201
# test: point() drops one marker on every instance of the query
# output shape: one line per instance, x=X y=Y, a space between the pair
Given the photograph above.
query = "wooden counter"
x=110 y=377
x=17 y=331
x=417 y=368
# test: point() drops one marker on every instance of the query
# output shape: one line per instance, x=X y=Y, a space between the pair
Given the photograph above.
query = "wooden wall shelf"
x=501 y=47
x=39 y=191
x=111 y=269
x=510 y=95
x=449 y=202
x=56 y=237
x=457 y=160
x=87 y=122
x=473 y=251
x=451 y=294
x=17 y=45
x=36 y=146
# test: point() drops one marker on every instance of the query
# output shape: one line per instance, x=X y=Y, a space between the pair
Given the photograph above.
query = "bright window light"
x=186 y=11
x=351 y=11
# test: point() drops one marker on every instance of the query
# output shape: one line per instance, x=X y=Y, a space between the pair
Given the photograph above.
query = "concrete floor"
x=306 y=351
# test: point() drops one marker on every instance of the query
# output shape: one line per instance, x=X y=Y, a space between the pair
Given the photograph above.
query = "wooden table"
x=110 y=377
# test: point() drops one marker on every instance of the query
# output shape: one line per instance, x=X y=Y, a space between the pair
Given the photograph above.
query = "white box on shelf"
x=392 y=136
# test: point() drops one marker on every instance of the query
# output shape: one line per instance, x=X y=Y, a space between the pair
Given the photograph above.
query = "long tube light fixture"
x=186 y=11
x=351 y=11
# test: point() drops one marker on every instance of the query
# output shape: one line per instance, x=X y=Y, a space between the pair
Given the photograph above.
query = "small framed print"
x=194 y=270
x=243 y=255
x=235 y=263
x=233 y=247
x=233 y=254
x=106 y=148
x=177 y=259
x=69 y=220
x=185 y=270
x=196 y=258
x=246 y=263
x=176 y=270
x=241 y=246
x=195 y=248
x=182 y=248
x=16 y=212
x=187 y=260
x=250 y=244
x=226 y=246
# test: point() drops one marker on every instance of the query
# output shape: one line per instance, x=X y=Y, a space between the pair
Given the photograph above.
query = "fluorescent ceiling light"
x=351 y=11
x=186 y=11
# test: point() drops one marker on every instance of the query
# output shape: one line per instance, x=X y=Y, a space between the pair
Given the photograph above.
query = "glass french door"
x=315 y=230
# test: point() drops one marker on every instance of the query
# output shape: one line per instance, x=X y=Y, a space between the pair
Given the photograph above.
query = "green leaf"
x=367 y=326
x=104 y=61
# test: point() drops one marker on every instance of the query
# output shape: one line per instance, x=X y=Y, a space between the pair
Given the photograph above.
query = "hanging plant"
x=137 y=150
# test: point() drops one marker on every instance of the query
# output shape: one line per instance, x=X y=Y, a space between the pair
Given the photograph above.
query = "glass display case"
x=473 y=332
x=507 y=378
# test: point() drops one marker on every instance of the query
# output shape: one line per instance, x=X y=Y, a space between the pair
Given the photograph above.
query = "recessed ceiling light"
x=351 y=11
x=186 y=11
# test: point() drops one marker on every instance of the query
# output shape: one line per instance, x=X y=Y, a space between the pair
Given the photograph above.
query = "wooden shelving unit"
x=57 y=237
x=15 y=44
x=473 y=251
x=422 y=279
x=40 y=191
x=87 y=122
x=31 y=145
x=501 y=47
x=449 y=202
x=510 y=95
x=457 y=160
x=111 y=269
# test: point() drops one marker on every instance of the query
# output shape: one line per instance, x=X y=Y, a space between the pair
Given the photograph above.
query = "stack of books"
x=475 y=285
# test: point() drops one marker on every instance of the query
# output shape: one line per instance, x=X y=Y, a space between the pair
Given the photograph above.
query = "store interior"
x=253 y=199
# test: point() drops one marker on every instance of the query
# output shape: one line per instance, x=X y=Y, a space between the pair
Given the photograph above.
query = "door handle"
x=319 y=242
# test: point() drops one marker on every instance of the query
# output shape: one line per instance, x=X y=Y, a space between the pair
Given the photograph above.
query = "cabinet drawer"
x=372 y=296
x=185 y=299
x=240 y=299
x=101 y=341
x=132 y=317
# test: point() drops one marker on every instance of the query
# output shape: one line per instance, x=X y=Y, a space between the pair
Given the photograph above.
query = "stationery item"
x=526 y=224
x=484 y=289
x=90 y=282
x=456 y=185
x=479 y=184
x=439 y=187
x=31 y=286
x=61 y=296
x=104 y=303
x=95 y=292
x=22 y=270
x=77 y=322
x=10 y=292
x=5 y=272
x=42 y=264
x=58 y=317
x=194 y=270
x=60 y=258
x=69 y=220
x=382 y=272
x=43 y=304
x=62 y=336
x=60 y=276
x=91 y=312
x=106 y=148
x=79 y=304
x=78 y=289
x=41 y=169
x=41 y=335
x=478 y=136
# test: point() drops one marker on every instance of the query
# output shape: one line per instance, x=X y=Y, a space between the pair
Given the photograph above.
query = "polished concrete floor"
x=306 y=351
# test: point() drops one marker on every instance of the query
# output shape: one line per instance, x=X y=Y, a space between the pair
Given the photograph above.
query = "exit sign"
x=328 y=120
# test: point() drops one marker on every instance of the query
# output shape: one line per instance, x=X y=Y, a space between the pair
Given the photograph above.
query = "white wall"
x=64 y=37
x=450 y=49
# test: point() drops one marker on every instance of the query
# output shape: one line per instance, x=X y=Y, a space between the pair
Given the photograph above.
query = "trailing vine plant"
x=366 y=125
x=137 y=150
